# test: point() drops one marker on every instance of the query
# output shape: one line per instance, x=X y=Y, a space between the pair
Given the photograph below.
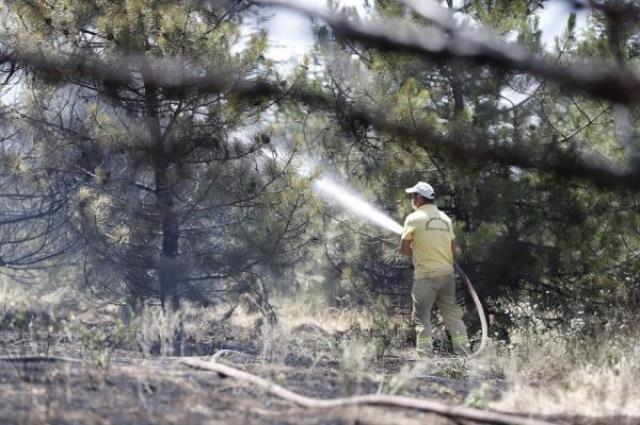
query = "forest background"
x=155 y=158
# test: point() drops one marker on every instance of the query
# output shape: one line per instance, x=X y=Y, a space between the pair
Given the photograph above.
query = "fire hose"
x=476 y=301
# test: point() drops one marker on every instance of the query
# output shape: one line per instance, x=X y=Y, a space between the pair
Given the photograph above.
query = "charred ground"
x=127 y=384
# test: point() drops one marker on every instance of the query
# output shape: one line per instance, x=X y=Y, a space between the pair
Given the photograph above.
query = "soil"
x=132 y=388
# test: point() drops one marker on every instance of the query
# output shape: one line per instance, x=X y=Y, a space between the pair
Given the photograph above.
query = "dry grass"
x=553 y=372
x=296 y=312
x=565 y=375
x=557 y=372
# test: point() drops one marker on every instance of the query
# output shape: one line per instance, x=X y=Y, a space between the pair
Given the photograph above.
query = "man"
x=428 y=237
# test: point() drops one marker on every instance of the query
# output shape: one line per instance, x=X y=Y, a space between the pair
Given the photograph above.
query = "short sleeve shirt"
x=430 y=232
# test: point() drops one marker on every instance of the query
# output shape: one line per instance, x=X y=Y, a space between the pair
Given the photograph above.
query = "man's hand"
x=405 y=247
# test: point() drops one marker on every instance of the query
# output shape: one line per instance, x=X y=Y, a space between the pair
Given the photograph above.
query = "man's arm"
x=407 y=237
x=454 y=249
x=405 y=247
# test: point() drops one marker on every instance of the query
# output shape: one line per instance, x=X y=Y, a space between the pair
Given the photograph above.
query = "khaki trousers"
x=440 y=290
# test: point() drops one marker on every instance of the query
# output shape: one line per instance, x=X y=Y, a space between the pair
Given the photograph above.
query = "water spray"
x=328 y=188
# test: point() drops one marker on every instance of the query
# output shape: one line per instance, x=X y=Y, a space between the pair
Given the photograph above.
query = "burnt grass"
x=116 y=383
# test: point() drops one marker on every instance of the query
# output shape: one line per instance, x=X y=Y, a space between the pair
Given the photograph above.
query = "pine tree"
x=33 y=232
x=175 y=190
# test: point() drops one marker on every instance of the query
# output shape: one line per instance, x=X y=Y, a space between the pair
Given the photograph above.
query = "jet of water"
x=330 y=189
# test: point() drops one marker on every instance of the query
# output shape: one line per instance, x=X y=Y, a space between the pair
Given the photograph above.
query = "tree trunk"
x=458 y=97
x=456 y=83
x=167 y=265
x=137 y=259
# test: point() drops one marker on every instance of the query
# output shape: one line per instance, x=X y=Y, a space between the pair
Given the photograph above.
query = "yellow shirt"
x=431 y=233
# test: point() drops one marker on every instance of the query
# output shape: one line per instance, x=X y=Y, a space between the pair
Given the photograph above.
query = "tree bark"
x=166 y=267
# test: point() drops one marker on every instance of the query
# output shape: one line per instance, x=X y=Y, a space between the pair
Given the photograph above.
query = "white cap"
x=423 y=189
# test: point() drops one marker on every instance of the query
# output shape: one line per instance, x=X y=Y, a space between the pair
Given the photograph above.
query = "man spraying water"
x=331 y=190
x=428 y=237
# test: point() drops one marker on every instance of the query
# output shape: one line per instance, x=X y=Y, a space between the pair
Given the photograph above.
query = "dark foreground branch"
x=424 y=405
x=462 y=146
x=448 y=41
x=622 y=11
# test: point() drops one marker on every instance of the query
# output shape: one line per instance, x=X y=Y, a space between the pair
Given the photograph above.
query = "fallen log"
x=425 y=405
